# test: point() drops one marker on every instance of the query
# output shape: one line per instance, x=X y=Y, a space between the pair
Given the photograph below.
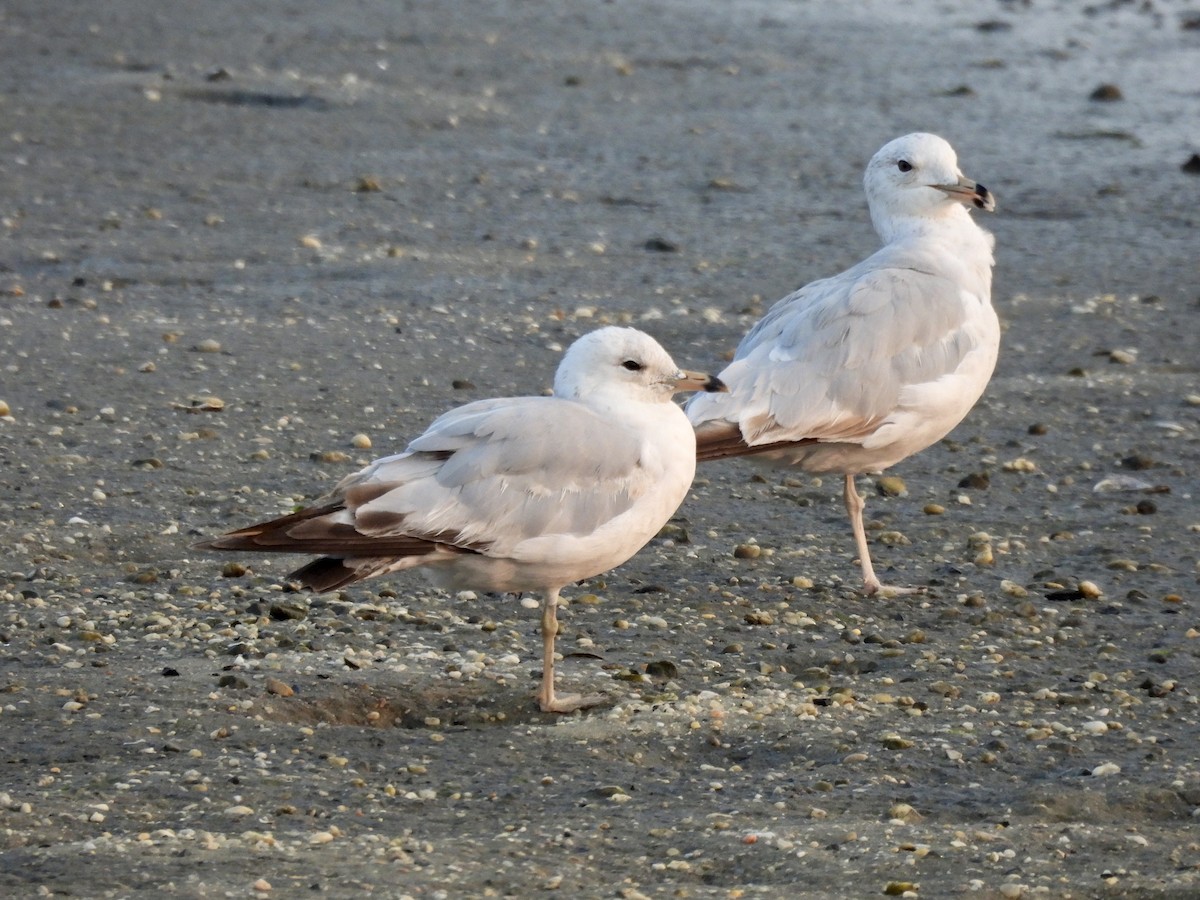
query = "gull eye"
x=632 y=365
x=904 y=165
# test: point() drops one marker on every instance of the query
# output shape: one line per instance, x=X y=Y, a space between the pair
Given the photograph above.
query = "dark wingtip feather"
x=327 y=573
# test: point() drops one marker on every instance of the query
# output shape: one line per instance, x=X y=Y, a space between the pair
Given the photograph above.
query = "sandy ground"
x=235 y=236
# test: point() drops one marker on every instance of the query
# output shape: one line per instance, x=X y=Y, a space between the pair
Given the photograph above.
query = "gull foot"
x=565 y=703
x=888 y=591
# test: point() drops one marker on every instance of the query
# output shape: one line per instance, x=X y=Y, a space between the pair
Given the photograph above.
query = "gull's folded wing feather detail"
x=841 y=352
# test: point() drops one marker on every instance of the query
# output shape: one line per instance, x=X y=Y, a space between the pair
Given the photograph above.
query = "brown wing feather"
x=307 y=531
x=724 y=441
x=327 y=573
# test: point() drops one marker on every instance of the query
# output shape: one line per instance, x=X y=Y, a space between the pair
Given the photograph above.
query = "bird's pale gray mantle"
x=853 y=373
x=514 y=494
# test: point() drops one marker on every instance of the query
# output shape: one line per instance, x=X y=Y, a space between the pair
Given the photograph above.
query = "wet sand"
x=232 y=239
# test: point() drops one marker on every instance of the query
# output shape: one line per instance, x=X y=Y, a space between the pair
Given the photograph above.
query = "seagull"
x=514 y=494
x=853 y=373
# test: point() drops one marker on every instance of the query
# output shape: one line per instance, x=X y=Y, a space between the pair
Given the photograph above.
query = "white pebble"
x=1095 y=727
x=1105 y=769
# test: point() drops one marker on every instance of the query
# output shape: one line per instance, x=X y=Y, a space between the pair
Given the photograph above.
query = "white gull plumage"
x=853 y=373
x=514 y=494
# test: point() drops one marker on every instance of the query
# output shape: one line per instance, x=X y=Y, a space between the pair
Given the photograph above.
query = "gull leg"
x=547 y=700
x=871 y=584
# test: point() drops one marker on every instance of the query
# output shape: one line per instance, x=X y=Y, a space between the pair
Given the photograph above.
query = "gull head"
x=917 y=176
x=625 y=363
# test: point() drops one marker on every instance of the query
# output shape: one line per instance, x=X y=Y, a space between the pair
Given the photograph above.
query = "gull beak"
x=969 y=193
x=699 y=381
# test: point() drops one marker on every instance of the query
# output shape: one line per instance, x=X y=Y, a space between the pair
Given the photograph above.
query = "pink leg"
x=547 y=699
x=871 y=584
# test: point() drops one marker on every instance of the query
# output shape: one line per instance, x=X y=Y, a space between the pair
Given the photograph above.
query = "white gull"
x=514 y=494
x=853 y=373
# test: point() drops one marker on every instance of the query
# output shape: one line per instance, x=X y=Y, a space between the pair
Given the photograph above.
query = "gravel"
x=249 y=249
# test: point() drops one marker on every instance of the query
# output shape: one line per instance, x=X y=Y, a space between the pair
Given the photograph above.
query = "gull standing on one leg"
x=514 y=494
x=853 y=373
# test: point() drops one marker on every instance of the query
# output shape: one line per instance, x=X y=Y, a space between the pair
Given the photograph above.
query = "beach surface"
x=246 y=248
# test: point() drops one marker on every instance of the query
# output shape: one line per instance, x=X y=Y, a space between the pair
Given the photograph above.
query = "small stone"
x=662 y=670
x=1014 y=590
x=321 y=837
x=904 y=813
x=5 y=410
x=1192 y=165
x=759 y=617
x=945 y=689
x=279 y=688
x=1138 y=462
x=1106 y=93
x=1095 y=727
x=262 y=886
x=1020 y=464
x=1105 y=769
x=282 y=612
x=747 y=551
x=208 y=345
x=1039 y=429
x=891 y=486
x=329 y=456
x=802 y=581
x=1090 y=590
x=661 y=245
x=361 y=442
x=896 y=742
x=977 y=481
x=1123 y=357
x=933 y=509
x=676 y=533
x=239 y=811
x=310 y=241
x=233 y=570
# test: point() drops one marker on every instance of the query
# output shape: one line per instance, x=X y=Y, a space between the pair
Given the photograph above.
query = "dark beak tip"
x=715 y=385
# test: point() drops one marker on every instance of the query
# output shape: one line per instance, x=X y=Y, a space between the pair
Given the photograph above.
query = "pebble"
x=747 y=551
x=1020 y=464
x=361 y=442
x=891 y=486
x=329 y=456
x=1105 y=769
x=5 y=410
x=933 y=509
x=208 y=345
x=1090 y=590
